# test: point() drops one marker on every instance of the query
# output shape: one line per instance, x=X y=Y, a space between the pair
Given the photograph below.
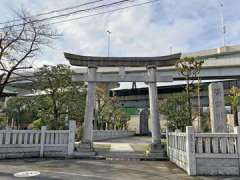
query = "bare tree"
x=20 y=42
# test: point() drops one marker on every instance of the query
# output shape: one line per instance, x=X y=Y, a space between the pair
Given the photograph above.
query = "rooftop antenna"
x=223 y=23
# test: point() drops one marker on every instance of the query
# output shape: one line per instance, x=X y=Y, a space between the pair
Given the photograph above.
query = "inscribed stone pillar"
x=238 y=118
x=153 y=100
x=143 y=126
x=216 y=107
x=89 y=110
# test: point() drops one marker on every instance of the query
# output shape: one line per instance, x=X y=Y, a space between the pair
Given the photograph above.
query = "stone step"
x=83 y=154
x=130 y=156
x=118 y=156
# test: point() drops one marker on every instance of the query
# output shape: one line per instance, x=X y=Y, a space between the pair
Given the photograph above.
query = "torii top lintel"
x=95 y=61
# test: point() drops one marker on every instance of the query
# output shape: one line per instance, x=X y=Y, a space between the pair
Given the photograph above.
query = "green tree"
x=233 y=99
x=3 y=122
x=109 y=114
x=59 y=97
x=21 y=110
x=175 y=109
x=189 y=68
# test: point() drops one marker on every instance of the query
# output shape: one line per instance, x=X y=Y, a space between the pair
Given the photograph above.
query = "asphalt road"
x=73 y=169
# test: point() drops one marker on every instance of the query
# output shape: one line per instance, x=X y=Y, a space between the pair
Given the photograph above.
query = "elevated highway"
x=219 y=63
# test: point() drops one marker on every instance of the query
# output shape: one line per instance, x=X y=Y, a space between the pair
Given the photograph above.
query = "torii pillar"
x=155 y=147
x=86 y=146
x=89 y=109
x=153 y=103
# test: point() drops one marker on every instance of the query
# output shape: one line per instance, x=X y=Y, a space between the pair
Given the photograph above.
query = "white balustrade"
x=205 y=153
x=37 y=141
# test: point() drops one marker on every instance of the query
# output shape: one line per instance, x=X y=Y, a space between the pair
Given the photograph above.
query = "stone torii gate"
x=150 y=77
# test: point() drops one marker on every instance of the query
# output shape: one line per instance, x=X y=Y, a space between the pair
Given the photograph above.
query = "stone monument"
x=143 y=125
x=216 y=107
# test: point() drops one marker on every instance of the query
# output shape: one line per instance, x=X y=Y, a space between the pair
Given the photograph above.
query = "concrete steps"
x=118 y=156
x=128 y=156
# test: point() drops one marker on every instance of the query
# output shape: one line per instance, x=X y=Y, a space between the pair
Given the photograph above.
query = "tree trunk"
x=189 y=105
x=55 y=114
x=235 y=115
x=1 y=90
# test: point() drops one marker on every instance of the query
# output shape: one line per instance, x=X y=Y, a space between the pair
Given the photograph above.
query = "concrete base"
x=90 y=154
x=86 y=148
x=156 y=151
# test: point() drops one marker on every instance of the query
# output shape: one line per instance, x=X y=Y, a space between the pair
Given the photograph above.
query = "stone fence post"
x=237 y=131
x=190 y=151
x=167 y=131
x=71 y=137
x=42 y=140
x=176 y=138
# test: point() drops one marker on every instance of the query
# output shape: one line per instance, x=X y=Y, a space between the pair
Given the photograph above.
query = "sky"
x=149 y=30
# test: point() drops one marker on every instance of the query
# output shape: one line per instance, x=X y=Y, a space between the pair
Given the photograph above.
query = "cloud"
x=144 y=31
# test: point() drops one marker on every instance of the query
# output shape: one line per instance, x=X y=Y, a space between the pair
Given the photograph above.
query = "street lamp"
x=109 y=35
x=223 y=22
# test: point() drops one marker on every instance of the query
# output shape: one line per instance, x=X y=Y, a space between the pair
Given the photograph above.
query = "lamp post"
x=223 y=23
x=109 y=36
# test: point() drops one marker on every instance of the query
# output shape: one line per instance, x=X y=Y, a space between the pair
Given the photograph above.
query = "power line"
x=105 y=12
x=54 y=11
x=71 y=13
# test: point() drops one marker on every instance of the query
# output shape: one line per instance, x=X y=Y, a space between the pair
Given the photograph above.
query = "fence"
x=177 y=148
x=205 y=153
x=37 y=143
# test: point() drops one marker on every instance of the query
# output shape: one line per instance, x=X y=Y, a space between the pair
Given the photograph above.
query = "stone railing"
x=215 y=154
x=205 y=153
x=99 y=135
x=176 y=143
x=37 y=143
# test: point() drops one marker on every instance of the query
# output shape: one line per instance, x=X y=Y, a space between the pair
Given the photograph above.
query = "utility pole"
x=171 y=50
x=109 y=41
x=223 y=23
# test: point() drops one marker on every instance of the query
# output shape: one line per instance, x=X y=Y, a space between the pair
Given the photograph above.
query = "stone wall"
x=99 y=135
x=217 y=166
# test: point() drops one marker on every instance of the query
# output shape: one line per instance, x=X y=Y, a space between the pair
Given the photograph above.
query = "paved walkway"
x=132 y=140
x=129 y=144
x=96 y=170
x=122 y=147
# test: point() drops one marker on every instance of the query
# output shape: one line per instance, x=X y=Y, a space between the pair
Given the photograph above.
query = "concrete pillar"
x=42 y=140
x=153 y=100
x=190 y=152
x=71 y=137
x=89 y=110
